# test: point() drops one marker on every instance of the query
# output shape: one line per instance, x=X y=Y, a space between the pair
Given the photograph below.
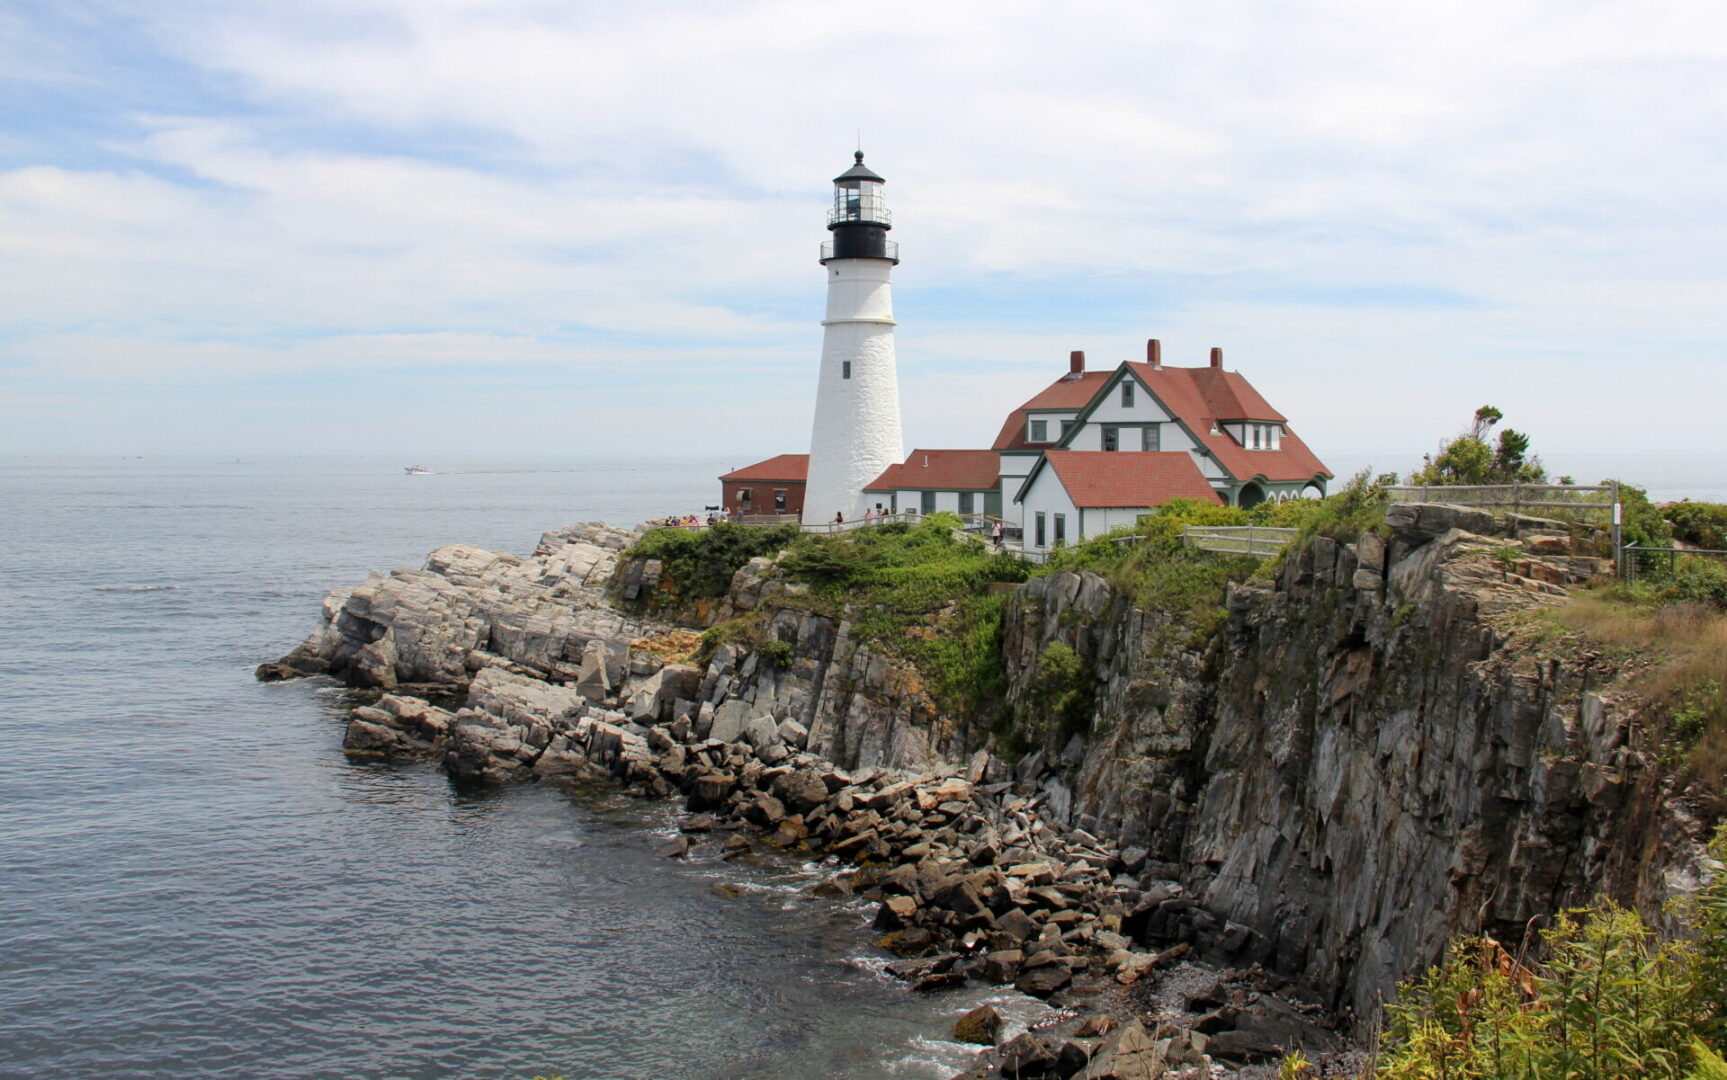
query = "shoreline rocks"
x=1242 y=798
x=973 y=884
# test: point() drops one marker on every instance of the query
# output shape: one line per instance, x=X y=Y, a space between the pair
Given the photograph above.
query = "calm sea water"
x=194 y=882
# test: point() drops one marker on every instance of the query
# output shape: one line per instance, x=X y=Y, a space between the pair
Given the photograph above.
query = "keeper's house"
x=1092 y=451
x=1095 y=449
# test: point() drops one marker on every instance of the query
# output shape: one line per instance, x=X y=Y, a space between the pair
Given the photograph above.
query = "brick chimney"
x=1216 y=358
x=1076 y=362
x=1154 y=354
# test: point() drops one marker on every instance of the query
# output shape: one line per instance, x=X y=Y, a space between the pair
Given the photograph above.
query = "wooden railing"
x=1262 y=541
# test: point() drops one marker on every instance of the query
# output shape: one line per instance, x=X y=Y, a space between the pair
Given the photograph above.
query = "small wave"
x=137 y=588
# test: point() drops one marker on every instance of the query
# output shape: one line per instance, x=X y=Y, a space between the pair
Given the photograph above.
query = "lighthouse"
x=857 y=430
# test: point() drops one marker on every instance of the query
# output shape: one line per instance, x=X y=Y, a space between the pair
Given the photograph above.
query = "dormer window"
x=1039 y=431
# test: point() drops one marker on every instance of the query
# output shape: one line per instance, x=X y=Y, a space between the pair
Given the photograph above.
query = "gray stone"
x=728 y=723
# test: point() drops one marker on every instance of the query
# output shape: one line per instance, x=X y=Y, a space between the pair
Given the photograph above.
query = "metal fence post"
x=1618 y=535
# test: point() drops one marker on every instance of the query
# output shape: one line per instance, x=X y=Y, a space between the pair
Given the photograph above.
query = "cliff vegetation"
x=1611 y=1000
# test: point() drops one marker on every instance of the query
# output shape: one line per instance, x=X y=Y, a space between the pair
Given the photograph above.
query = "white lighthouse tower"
x=857 y=430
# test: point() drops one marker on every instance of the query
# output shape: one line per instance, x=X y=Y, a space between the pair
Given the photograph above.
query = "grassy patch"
x=1678 y=653
x=923 y=593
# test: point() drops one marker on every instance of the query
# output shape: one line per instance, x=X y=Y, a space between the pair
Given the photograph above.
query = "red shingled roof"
x=1132 y=478
x=942 y=470
x=1066 y=392
x=787 y=467
x=1202 y=397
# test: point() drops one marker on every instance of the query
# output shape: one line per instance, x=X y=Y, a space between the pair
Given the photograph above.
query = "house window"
x=1111 y=437
x=1127 y=393
x=1060 y=529
x=779 y=500
x=1039 y=523
x=1066 y=426
x=926 y=502
x=744 y=498
x=845 y=369
x=966 y=502
x=1039 y=431
x=1151 y=437
x=1256 y=430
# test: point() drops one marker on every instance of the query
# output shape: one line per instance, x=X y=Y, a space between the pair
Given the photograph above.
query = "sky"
x=565 y=228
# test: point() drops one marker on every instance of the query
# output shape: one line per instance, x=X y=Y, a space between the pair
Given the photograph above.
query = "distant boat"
x=417 y=470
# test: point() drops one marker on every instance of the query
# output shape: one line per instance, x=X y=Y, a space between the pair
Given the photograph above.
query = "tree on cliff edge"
x=1469 y=459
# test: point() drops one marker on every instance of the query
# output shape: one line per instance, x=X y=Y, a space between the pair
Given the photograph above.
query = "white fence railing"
x=1262 y=541
x=1589 y=498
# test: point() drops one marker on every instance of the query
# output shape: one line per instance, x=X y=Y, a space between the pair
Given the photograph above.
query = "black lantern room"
x=860 y=219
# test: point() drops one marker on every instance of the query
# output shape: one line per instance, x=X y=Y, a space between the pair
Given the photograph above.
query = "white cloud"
x=417 y=185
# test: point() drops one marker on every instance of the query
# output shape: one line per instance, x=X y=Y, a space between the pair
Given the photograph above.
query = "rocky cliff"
x=1366 y=761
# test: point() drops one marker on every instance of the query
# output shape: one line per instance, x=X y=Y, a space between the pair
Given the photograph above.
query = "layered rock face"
x=1359 y=766
x=470 y=614
x=1362 y=762
x=468 y=609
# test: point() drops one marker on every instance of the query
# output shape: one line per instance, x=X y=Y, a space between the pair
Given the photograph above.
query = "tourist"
x=995 y=534
x=869 y=516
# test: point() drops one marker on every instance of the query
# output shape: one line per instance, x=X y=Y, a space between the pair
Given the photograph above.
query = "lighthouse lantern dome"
x=859 y=219
x=858 y=197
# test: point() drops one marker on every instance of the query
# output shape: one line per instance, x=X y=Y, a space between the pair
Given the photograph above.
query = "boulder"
x=728 y=722
x=1044 y=981
x=802 y=790
x=980 y=1026
x=1030 y=1056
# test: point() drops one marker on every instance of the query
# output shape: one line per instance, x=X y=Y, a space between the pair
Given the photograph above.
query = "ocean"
x=195 y=882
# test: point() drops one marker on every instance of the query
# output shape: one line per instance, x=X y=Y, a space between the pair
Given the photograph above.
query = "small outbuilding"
x=964 y=482
x=774 y=486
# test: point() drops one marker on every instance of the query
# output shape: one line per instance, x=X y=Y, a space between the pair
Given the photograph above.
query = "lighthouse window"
x=845 y=369
x=854 y=199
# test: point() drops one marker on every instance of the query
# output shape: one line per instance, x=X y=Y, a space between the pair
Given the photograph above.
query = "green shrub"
x=1701 y=525
x=1064 y=688
x=775 y=652
x=701 y=562
x=1611 y=1002
x=924 y=593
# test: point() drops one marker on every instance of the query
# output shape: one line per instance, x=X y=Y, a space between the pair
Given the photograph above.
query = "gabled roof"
x=942 y=470
x=1200 y=396
x=787 y=468
x=1105 y=478
x=1066 y=392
